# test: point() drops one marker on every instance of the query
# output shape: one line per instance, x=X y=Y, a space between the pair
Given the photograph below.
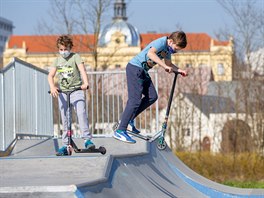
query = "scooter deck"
x=101 y=150
x=146 y=138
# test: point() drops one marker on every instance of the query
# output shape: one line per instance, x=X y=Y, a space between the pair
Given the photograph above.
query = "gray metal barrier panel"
x=25 y=105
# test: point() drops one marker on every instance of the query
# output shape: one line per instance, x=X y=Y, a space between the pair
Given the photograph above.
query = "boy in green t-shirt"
x=72 y=74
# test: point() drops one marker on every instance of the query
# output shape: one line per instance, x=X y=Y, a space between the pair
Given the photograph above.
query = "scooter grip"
x=183 y=74
x=57 y=89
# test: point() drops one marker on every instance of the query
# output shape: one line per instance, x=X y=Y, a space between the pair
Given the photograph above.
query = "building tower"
x=120 y=24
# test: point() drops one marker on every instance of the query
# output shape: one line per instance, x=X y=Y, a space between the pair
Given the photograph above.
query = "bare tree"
x=62 y=17
x=248 y=33
x=92 y=15
x=248 y=24
x=77 y=17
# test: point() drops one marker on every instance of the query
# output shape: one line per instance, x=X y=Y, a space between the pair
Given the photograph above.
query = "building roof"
x=196 y=41
x=132 y=37
x=211 y=104
x=242 y=93
x=120 y=24
x=84 y=43
x=47 y=43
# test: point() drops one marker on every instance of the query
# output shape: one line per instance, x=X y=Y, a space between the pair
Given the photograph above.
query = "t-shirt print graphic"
x=65 y=75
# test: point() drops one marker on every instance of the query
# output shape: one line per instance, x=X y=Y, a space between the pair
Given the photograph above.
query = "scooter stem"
x=171 y=96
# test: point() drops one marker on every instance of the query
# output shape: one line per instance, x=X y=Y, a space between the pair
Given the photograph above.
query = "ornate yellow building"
x=118 y=43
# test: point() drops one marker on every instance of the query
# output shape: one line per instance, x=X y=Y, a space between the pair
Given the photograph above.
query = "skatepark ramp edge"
x=133 y=170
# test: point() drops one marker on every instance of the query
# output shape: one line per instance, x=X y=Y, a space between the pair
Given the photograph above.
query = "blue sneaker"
x=134 y=129
x=62 y=151
x=123 y=136
x=89 y=144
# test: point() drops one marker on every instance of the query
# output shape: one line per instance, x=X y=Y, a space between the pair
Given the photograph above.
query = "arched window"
x=220 y=69
x=206 y=144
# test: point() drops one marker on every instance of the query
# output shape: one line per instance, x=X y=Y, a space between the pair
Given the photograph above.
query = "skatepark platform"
x=126 y=170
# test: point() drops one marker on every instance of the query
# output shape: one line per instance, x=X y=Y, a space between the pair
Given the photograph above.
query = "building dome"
x=131 y=33
x=120 y=24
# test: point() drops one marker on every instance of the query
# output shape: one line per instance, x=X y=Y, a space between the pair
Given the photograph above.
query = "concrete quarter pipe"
x=139 y=170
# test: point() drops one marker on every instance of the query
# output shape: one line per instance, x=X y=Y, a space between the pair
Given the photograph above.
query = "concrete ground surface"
x=126 y=170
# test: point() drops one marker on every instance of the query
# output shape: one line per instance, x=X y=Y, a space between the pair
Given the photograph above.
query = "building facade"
x=202 y=51
x=119 y=42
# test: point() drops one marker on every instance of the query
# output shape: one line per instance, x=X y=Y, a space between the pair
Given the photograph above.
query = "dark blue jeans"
x=138 y=84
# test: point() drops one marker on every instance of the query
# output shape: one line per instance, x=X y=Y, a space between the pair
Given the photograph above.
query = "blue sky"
x=146 y=15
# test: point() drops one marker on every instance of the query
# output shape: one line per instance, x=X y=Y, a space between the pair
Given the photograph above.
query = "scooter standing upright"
x=71 y=146
x=160 y=135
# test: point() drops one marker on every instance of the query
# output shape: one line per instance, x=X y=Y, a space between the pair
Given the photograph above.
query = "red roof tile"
x=223 y=43
x=196 y=41
x=47 y=43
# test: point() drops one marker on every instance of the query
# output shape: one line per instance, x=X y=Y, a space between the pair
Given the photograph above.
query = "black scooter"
x=160 y=135
x=71 y=146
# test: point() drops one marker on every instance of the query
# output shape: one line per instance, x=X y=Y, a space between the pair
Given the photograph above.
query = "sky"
x=162 y=16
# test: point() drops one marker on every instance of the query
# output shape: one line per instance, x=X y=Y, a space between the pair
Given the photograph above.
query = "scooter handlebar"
x=76 y=89
x=181 y=73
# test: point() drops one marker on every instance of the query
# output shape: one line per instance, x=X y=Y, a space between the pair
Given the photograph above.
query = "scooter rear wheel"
x=102 y=150
x=161 y=144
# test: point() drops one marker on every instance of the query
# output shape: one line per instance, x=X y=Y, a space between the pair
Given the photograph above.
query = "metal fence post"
x=14 y=101
x=3 y=112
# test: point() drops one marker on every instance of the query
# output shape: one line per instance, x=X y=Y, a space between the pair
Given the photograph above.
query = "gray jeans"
x=78 y=102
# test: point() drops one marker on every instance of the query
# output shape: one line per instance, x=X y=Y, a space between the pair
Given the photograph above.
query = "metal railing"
x=105 y=102
x=27 y=109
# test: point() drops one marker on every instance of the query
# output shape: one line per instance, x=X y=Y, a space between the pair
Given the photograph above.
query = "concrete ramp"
x=141 y=176
x=127 y=170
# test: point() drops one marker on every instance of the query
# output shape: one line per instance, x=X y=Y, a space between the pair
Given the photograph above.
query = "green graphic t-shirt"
x=68 y=73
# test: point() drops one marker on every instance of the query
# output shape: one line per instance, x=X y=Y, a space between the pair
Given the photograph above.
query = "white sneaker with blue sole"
x=123 y=136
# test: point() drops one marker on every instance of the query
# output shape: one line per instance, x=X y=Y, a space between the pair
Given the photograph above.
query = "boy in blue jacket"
x=139 y=82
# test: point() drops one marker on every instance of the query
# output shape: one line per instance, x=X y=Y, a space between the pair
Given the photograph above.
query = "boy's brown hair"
x=179 y=38
x=65 y=40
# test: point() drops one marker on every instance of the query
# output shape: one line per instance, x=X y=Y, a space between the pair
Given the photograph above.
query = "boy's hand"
x=85 y=86
x=54 y=92
x=183 y=72
x=168 y=69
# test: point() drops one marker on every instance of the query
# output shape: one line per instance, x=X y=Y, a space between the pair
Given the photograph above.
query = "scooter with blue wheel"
x=160 y=135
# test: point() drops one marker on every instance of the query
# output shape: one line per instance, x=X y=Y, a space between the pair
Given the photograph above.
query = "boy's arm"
x=153 y=56
x=83 y=73
x=53 y=89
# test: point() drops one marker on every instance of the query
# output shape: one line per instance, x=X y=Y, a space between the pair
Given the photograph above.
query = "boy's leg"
x=135 y=80
x=150 y=96
x=63 y=111
x=78 y=101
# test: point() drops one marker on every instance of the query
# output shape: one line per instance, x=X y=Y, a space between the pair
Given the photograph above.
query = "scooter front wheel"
x=161 y=144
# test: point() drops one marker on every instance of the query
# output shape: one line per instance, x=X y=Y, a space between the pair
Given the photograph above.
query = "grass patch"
x=244 y=170
x=247 y=184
